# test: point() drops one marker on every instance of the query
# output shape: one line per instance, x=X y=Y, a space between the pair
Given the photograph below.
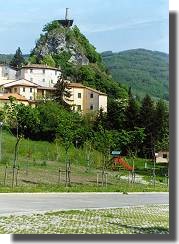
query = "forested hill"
x=145 y=71
x=6 y=58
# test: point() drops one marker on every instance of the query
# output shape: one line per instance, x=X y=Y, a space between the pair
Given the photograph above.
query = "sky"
x=114 y=25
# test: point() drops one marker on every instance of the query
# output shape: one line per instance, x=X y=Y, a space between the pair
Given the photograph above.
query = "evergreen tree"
x=116 y=113
x=18 y=60
x=161 y=126
x=62 y=92
x=132 y=112
x=146 y=121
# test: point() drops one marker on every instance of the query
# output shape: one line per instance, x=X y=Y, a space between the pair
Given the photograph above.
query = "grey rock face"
x=55 y=43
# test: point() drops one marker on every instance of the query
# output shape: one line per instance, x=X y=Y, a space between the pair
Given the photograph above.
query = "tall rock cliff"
x=69 y=49
x=65 y=43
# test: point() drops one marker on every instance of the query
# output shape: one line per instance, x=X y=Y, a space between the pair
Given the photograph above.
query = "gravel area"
x=127 y=220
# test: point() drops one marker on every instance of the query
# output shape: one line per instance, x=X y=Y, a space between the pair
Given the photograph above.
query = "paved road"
x=32 y=203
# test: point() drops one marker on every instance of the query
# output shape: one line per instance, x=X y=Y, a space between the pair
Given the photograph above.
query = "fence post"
x=5 y=175
x=59 y=176
x=106 y=179
x=17 y=171
x=97 y=179
x=69 y=181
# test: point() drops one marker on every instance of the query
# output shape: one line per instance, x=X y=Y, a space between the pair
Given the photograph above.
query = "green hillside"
x=147 y=72
x=6 y=58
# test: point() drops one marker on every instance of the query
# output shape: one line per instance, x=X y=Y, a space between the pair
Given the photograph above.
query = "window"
x=91 y=107
x=31 y=79
x=164 y=155
x=43 y=71
x=15 y=89
x=91 y=95
x=79 y=107
x=79 y=95
x=31 y=89
x=52 y=81
x=30 y=97
x=55 y=72
x=31 y=70
x=23 y=89
x=43 y=80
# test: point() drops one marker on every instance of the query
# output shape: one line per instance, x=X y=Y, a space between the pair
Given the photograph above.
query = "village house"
x=86 y=99
x=36 y=82
x=4 y=98
x=7 y=73
x=162 y=157
x=40 y=74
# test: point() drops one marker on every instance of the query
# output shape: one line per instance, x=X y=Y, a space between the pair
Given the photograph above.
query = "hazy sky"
x=109 y=24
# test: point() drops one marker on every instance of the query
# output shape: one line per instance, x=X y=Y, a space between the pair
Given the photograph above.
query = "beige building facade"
x=86 y=99
x=36 y=82
x=22 y=87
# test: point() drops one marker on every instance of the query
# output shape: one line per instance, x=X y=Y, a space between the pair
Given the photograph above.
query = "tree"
x=68 y=130
x=132 y=112
x=62 y=92
x=18 y=60
x=19 y=119
x=116 y=113
x=48 y=60
x=49 y=120
x=103 y=142
x=147 y=121
x=161 y=120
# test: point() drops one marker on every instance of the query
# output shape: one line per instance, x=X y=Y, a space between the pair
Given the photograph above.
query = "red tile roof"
x=6 y=96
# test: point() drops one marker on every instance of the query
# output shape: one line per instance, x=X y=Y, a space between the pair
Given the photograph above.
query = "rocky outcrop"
x=56 y=41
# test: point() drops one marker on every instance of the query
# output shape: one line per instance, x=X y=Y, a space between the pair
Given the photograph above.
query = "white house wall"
x=47 y=79
x=29 y=93
x=103 y=102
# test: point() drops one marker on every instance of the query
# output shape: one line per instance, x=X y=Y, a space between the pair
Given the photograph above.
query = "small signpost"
x=116 y=153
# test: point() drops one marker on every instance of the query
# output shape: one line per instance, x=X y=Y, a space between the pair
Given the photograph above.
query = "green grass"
x=151 y=219
x=39 y=164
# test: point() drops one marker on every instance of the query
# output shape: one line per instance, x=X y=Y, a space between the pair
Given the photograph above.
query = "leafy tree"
x=62 y=92
x=18 y=60
x=100 y=120
x=47 y=59
x=103 y=142
x=69 y=131
x=51 y=26
x=89 y=49
x=49 y=120
x=61 y=60
x=20 y=119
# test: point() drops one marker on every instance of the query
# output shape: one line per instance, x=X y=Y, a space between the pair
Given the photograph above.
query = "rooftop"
x=22 y=82
x=6 y=96
x=79 y=85
x=39 y=66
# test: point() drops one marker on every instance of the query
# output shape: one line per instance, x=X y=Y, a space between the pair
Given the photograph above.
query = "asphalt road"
x=27 y=203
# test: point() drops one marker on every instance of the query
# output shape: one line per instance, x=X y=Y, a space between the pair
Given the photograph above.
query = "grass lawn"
x=151 y=219
x=39 y=164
